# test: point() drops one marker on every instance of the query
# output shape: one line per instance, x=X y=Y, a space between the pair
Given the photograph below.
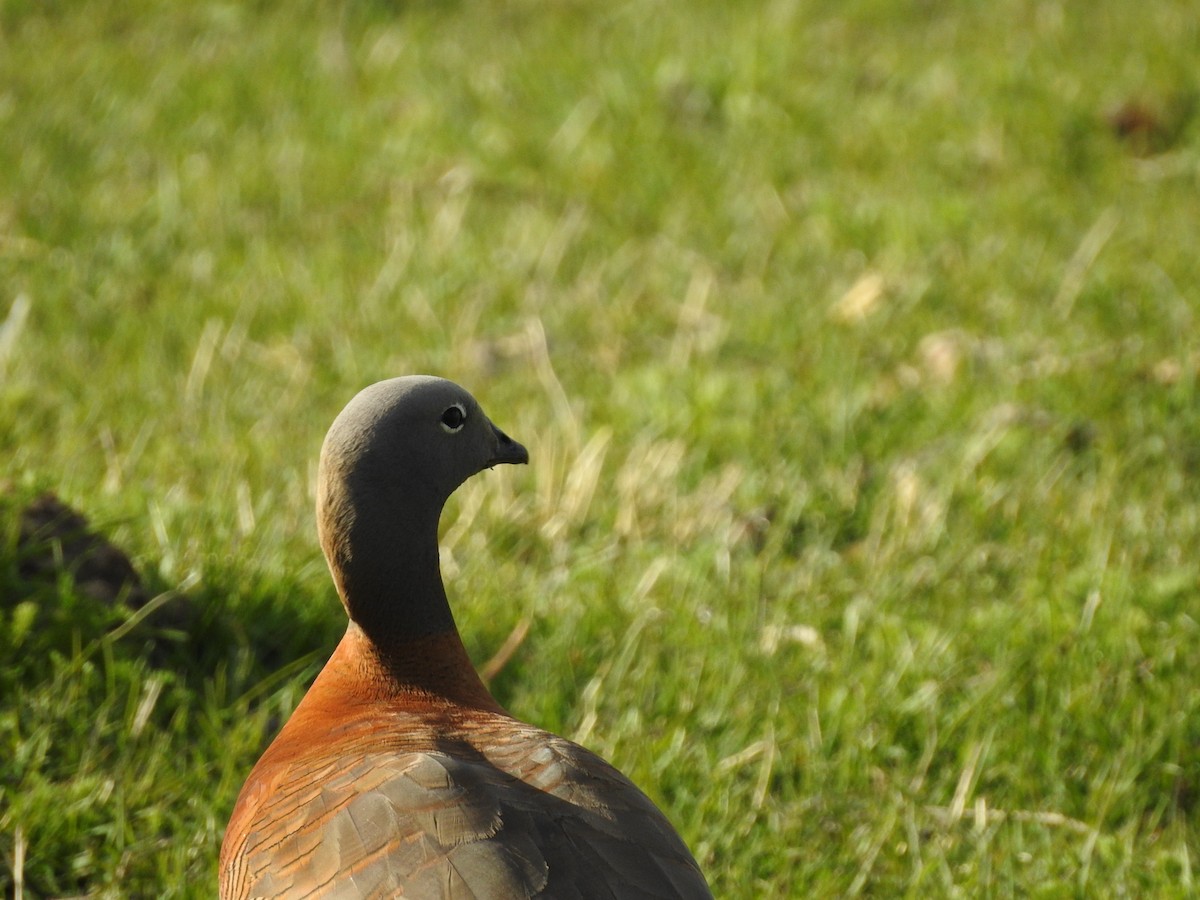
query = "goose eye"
x=454 y=418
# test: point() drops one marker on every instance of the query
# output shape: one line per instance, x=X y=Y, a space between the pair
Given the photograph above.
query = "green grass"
x=854 y=348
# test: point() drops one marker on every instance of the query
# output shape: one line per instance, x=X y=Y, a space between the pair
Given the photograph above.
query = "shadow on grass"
x=65 y=588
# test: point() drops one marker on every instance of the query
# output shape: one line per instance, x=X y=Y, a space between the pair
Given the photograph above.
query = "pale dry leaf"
x=1167 y=371
x=860 y=301
x=941 y=356
x=774 y=636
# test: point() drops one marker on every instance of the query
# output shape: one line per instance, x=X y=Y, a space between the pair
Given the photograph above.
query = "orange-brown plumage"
x=399 y=775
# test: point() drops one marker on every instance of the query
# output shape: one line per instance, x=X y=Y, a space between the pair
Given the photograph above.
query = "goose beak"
x=507 y=450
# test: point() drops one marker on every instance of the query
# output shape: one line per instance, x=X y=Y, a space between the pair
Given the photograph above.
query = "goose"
x=398 y=774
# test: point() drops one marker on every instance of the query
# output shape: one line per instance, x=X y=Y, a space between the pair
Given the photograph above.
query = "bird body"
x=399 y=775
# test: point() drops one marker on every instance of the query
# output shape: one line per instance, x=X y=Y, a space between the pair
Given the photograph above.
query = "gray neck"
x=382 y=547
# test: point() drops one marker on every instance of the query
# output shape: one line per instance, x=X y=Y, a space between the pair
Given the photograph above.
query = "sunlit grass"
x=853 y=345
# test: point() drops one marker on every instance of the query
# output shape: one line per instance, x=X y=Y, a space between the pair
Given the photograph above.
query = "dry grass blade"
x=508 y=649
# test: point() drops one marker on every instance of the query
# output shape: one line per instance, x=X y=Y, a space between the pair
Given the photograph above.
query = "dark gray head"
x=389 y=462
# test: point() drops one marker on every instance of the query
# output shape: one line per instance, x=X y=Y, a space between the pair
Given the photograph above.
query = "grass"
x=854 y=345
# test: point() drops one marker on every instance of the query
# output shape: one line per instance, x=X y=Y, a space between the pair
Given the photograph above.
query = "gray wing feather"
x=547 y=820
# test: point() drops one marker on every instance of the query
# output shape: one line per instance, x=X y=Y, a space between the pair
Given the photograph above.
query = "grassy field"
x=855 y=346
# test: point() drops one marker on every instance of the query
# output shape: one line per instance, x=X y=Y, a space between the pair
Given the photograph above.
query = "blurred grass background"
x=854 y=344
